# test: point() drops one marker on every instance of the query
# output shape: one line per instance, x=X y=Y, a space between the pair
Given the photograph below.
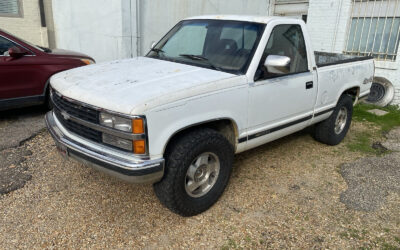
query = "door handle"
x=309 y=85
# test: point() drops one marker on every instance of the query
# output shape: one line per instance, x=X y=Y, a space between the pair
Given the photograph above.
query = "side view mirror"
x=152 y=45
x=16 y=52
x=277 y=64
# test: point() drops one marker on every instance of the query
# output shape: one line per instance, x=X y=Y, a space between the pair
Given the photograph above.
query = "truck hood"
x=134 y=85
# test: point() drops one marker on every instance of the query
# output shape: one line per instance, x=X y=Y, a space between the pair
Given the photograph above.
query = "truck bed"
x=324 y=59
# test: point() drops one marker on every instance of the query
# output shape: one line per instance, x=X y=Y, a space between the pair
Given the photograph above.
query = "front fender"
x=165 y=122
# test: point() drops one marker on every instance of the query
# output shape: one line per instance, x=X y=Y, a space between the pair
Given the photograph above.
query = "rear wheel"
x=198 y=167
x=333 y=130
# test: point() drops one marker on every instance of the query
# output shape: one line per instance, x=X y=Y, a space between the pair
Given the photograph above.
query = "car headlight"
x=135 y=126
x=117 y=142
x=87 y=61
x=116 y=122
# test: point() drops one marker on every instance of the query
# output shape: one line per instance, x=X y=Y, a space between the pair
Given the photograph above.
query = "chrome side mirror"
x=152 y=45
x=277 y=64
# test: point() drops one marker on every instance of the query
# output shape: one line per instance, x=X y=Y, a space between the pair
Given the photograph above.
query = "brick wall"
x=328 y=23
x=27 y=27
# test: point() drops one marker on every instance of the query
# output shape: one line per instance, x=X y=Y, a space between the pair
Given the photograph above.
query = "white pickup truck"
x=212 y=87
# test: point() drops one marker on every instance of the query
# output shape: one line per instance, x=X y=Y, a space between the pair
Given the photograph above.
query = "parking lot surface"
x=16 y=127
x=286 y=194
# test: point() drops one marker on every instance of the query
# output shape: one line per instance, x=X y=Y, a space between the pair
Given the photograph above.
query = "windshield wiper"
x=157 y=50
x=201 y=58
x=47 y=50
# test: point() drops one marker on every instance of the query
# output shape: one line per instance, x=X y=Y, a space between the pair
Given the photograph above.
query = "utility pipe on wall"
x=135 y=31
x=138 y=32
x=337 y=26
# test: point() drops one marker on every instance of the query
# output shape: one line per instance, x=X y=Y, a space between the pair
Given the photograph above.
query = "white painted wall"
x=159 y=16
x=99 y=28
x=114 y=29
x=28 y=25
x=328 y=23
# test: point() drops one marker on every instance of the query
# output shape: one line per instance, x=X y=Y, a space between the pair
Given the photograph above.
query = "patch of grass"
x=387 y=246
x=230 y=245
x=344 y=235
x=354 y=233
x=386 y=122
x=362 y=143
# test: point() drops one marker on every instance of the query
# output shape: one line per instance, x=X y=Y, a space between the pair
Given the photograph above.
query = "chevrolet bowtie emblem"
x=65 y=115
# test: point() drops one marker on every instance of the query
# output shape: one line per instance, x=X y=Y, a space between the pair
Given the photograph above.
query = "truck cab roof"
x=243 y=18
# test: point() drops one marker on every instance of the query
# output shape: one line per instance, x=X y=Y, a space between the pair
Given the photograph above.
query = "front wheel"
x=333 y=130
x=198 y=167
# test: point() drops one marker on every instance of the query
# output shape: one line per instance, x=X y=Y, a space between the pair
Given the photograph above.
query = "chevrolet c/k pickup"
x=212 y=87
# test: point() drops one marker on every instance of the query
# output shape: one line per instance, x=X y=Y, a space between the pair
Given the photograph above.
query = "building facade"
x=30 y=20
x=357 y=27
x=117 y=29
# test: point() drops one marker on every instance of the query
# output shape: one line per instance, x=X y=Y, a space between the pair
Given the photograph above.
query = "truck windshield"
x=217 y=44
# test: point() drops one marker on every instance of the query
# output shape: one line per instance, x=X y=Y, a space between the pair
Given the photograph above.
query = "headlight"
x=87 y=61
x=116 y=122
x=135 y=126
x=117 y=142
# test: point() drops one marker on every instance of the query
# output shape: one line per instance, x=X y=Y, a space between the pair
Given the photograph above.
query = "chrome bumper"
x=141 y=171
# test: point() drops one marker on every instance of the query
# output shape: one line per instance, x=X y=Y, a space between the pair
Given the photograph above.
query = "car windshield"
x=217 y=44
x=30 y=44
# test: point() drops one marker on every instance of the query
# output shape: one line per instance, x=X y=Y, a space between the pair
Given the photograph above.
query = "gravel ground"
x=282 y=195
x=370 y=181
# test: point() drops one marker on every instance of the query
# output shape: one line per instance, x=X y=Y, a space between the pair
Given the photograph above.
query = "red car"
x=25 y=70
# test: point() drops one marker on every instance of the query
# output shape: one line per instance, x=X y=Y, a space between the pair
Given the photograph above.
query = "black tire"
x=47 y=103
x=180 y=155
x=325 y=131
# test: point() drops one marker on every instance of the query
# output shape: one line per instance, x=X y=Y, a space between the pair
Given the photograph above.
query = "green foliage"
x=363 y=141
x=386 y=122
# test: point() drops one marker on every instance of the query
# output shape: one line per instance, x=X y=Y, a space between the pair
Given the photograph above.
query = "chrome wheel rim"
x=202 y=174
x=341 y=120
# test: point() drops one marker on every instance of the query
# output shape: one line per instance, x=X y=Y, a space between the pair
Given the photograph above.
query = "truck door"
x=281 y=104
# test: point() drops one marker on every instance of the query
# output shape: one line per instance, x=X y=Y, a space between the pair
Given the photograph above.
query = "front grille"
x=77 y=128
x=79 y=111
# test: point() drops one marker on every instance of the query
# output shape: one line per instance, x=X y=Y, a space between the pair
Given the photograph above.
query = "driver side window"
x=287 y=40
x=5 y=45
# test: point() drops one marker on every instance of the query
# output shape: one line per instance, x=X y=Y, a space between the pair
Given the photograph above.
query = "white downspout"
x=337 y=25
x=138 y=45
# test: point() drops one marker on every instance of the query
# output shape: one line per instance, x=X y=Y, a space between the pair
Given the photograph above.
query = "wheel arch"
x=353 y=92
x=226 y=126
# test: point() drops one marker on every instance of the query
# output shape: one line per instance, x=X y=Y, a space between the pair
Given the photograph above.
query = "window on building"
x=375 y=29
x=10 y=8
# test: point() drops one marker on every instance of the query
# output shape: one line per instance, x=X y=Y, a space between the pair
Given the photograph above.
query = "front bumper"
x=140 y=171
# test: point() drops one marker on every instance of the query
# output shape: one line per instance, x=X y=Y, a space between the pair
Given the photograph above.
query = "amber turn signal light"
x=139 y=147
x=137 y=126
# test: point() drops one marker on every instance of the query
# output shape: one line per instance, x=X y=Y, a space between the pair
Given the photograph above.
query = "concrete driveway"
x=19 y=125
